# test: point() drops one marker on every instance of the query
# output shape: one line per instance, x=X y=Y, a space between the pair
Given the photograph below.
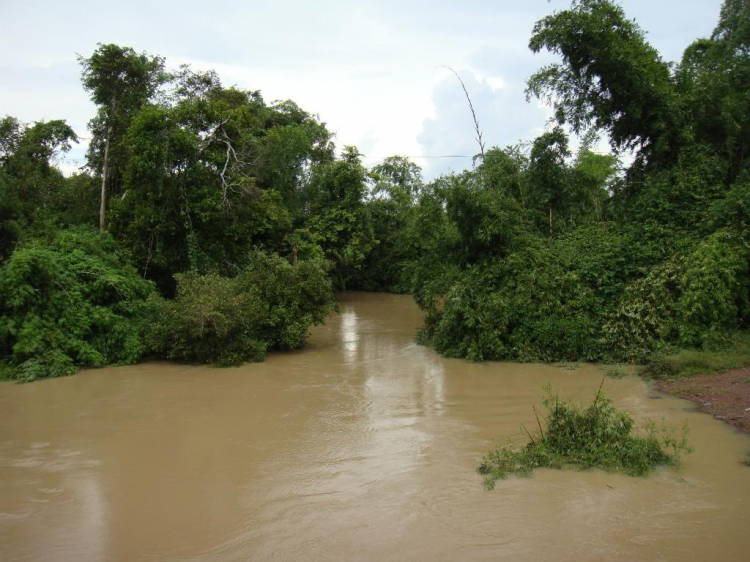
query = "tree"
x=610 y=78
x=548 y=176
x=714 y=84
x=337 y=217
x=504 y=169
x=213 y=172
x=120 y=81
x=398 y=179
x=591 y=176
x=28 y=181
x=394 y=188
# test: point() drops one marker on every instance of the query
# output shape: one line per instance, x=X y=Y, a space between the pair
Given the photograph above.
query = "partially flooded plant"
x=616 y=372
x=595 y=436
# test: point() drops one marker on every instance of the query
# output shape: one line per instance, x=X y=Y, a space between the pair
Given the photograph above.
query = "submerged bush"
x=270 y=304
x=528 y=306
x=68 y=304
x=597 y=435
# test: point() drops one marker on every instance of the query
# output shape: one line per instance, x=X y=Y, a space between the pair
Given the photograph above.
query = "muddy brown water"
x=363 y=446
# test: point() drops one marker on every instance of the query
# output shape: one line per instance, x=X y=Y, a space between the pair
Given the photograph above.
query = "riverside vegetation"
x=211 y=226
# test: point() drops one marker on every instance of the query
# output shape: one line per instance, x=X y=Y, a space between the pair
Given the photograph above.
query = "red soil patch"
x=726 y=396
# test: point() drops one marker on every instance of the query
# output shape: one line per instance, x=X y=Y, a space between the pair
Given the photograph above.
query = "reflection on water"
x=348 y=334
x=361 y=447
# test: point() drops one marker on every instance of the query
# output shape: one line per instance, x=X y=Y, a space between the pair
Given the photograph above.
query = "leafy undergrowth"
x=594 y=436
x=67 y=303
x=732 y=354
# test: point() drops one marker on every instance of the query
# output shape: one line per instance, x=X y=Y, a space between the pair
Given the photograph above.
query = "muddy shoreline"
x=726 y=396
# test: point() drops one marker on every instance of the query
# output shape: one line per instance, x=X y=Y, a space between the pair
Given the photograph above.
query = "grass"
x=732 y=354
x=615 y=372
x=593 y=436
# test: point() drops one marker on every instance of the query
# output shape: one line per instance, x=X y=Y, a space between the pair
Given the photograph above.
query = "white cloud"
x=504 y=118
x=495 y=82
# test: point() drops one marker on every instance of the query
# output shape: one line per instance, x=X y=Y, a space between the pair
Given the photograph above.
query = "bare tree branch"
x=478 y=131
x=212 y=135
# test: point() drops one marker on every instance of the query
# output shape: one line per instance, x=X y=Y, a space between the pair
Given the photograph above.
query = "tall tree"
x=28 y=180
x=395 y=187
x=211 y=173
x=398 y=179
x=503 y=169
x=592 y=174
x=338 y=220
x=714 y=83
x=120 y=81
x=610 y=78
x=548 y=176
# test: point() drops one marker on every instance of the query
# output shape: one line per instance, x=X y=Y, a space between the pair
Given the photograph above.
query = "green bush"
x=270 y=304
x=689 y=300
x=645 y=315
x=714 y=289
x=526 y=307
x=71 y=303
x=732 y=210
x=597 y=435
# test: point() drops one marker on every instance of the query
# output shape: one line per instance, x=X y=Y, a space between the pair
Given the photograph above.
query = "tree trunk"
x=550 y=219
x=103 y=203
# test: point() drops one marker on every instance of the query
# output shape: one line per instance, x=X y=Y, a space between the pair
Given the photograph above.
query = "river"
x=362 y=446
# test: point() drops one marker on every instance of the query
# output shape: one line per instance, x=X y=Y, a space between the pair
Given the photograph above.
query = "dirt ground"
x=726 y=395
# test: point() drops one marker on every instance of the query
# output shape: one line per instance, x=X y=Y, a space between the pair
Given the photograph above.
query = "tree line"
x=211 y=226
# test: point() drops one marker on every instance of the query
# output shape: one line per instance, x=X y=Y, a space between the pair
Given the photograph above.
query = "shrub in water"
x=228 y=321
x=598 y=435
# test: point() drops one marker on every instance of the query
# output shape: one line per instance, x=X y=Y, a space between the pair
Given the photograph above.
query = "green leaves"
x=610 y=78
x=225 y=321
x=687 y=300
x=714 y=289
x=69 y=304
x=337 y=218
x=633 y=263
x=212 y=173
x=114 y=72
x=593 y=436
x=28 y=181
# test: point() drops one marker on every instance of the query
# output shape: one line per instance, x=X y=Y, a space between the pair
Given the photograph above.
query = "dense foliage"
x=28 y=182
x=595 y=436
x=68 y=303
x=270 y=304
x=552 y=257
x=542 y=251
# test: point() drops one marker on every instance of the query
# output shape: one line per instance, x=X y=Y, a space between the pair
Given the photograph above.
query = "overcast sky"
x=371 y=70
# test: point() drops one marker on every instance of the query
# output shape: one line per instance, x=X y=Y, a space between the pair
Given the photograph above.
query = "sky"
x=373 y=71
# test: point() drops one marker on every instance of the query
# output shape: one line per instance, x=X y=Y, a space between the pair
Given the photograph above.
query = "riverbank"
x=726 y=396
